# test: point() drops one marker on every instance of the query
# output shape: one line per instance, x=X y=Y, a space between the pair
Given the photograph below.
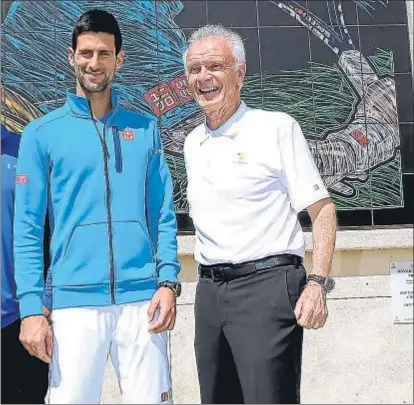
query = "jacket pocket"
x=133 y=252
x=86 y=257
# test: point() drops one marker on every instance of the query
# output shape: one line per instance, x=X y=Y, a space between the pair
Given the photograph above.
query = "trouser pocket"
x=295 y=281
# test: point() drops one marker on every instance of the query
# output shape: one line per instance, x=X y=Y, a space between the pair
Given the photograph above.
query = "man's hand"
x=164 y=299
x=311 y=310
x=36 y=337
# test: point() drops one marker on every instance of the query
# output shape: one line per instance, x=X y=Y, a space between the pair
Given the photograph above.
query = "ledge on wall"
x=369 y=239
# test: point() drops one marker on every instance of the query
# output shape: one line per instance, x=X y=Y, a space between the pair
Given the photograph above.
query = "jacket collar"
x=78 y=105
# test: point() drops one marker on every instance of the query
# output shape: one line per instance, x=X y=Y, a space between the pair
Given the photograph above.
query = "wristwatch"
x=172 y=285
x=327 y=283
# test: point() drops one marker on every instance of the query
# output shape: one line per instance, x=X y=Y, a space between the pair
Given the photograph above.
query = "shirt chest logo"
x=240 y=157
x=21 y=178
x=128 y=135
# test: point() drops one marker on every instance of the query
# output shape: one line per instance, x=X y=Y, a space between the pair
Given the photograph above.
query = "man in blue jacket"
x=100 y=171
x=23 y=378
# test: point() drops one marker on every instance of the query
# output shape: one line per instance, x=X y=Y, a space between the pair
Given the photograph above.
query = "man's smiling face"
x=214 y=78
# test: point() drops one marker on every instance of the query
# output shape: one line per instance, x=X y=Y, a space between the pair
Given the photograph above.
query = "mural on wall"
x=347 y=156
x=347 y=109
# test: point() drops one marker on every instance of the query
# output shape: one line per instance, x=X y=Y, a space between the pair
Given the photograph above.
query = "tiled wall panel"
x=335 y=86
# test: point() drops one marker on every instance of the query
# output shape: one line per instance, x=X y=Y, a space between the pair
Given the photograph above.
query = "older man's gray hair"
x=219 y=31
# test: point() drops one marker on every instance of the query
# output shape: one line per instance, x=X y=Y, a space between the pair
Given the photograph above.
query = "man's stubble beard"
x=95 y=88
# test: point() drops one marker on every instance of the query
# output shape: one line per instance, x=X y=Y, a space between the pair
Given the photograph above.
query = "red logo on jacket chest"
x=21 y=178
x=128 y=135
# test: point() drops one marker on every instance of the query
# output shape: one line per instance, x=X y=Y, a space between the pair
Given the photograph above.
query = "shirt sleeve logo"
x=21 y=178
x=166 y=396
x=128 y=135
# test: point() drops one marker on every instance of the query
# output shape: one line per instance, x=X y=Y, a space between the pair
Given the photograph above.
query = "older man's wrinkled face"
x=212 y=75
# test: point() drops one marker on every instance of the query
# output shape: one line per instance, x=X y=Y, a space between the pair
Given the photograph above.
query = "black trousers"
x=248 y=345
x=24 y=379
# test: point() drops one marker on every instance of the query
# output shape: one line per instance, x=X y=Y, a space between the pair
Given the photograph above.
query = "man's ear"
x=241 y=74
x=71 y=56
x=119 y=59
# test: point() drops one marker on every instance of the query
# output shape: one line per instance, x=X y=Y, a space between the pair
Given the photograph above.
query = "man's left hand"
x=311 y=310
x=164 y=300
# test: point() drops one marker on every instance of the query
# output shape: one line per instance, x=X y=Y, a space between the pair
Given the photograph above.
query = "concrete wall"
x=359 y=357
x=358 y=252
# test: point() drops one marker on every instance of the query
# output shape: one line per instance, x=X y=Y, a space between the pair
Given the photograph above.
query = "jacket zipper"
x=108 y=206
x=154 y=258
x=118 y=150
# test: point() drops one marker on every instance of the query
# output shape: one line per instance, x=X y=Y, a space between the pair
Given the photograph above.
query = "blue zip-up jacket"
x=9 y=303
x=110 y=199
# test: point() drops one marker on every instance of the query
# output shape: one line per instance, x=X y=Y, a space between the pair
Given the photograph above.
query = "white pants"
x=83 y=338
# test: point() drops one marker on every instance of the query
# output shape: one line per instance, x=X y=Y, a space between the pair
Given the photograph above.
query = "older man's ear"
x=242 y=74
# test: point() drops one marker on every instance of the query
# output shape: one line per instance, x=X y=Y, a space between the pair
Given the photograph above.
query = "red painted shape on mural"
x=360 y=137
x=161 y=99
x=180 y=86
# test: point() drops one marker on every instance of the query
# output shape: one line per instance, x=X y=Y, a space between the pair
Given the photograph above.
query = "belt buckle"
x=297 y=261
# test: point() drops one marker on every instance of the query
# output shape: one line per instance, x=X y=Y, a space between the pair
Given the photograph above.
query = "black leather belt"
x=229 y=271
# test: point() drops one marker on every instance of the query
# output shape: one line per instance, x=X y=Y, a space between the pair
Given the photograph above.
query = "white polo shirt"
x=247 y=180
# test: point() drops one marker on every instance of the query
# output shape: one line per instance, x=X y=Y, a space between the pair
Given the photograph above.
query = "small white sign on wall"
x=402 y=290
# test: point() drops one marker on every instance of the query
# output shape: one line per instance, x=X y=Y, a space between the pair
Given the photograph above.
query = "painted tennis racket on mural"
x=333 y=33
x=371 y=138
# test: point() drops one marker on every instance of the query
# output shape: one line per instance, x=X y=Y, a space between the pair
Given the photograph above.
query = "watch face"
x=176 y=287
x=330 y=284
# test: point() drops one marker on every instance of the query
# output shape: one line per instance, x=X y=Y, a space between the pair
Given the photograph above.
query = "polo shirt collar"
x=230 y=127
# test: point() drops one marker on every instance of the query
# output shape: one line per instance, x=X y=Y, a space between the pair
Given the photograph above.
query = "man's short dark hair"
x=97 y=21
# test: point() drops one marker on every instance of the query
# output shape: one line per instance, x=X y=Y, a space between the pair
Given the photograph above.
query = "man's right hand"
x=36 y=337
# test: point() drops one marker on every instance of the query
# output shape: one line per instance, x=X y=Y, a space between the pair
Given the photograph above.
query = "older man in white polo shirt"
x=250 y=173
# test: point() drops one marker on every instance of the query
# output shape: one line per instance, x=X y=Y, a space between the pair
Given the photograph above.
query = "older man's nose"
x=204 y=74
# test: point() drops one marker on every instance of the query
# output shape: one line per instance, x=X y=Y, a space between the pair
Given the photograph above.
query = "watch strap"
x=325 y=282
x=175 y=286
